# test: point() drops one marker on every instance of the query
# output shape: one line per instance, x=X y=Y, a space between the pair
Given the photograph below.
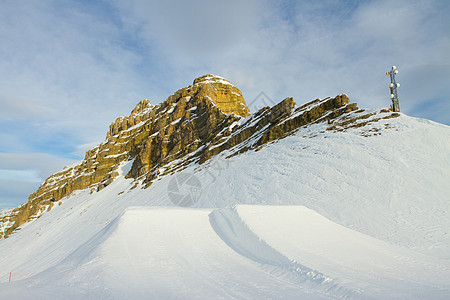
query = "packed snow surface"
x=317 y=215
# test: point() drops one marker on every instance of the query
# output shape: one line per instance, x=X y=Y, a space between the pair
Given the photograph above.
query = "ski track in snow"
x=358 y=217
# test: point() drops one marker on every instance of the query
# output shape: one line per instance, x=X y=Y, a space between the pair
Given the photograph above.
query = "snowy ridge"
x=233 y=230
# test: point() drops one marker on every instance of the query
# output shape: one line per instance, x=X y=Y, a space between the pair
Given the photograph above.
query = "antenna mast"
x=393 y=88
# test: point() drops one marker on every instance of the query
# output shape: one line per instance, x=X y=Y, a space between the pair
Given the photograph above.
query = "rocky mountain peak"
x=225 y=95
x=211 y=78
x=191 y=126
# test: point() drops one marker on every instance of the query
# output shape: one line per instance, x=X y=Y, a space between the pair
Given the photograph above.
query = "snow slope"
x=328 y=215
x=245 y=252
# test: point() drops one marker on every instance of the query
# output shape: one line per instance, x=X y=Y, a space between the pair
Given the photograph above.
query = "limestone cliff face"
x=194 y=124
x=225 y=95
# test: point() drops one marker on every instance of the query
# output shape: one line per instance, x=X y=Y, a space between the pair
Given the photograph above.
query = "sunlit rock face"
x=193 y=125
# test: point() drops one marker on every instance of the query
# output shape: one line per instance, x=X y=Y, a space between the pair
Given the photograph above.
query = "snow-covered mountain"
x=319 y=201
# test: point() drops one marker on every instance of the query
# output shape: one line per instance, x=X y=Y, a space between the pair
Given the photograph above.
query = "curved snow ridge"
x=361 y=263
x=160 y=253
x=86 y=254
x=233 y=230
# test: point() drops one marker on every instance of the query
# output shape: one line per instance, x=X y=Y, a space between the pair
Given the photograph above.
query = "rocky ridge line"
x=191 y=126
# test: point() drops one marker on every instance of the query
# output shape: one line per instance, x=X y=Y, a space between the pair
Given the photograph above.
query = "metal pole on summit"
x=393 y=89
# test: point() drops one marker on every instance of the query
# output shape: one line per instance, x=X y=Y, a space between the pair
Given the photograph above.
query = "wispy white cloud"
x=17 y=107
x=30 y=175
x=14 y=192
x=41 y=165
x=16 y=185
x=22 y=173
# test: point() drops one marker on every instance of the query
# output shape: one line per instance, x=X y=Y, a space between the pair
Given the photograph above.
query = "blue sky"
x=70 y=68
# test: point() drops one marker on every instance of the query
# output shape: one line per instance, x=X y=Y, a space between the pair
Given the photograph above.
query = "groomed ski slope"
x=326 y=215
x=245 y=252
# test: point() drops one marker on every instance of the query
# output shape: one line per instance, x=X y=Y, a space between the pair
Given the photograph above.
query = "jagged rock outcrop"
x=194 y=124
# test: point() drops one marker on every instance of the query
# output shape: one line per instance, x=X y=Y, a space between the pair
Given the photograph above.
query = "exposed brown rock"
x=192 y=125
x=228 y=98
